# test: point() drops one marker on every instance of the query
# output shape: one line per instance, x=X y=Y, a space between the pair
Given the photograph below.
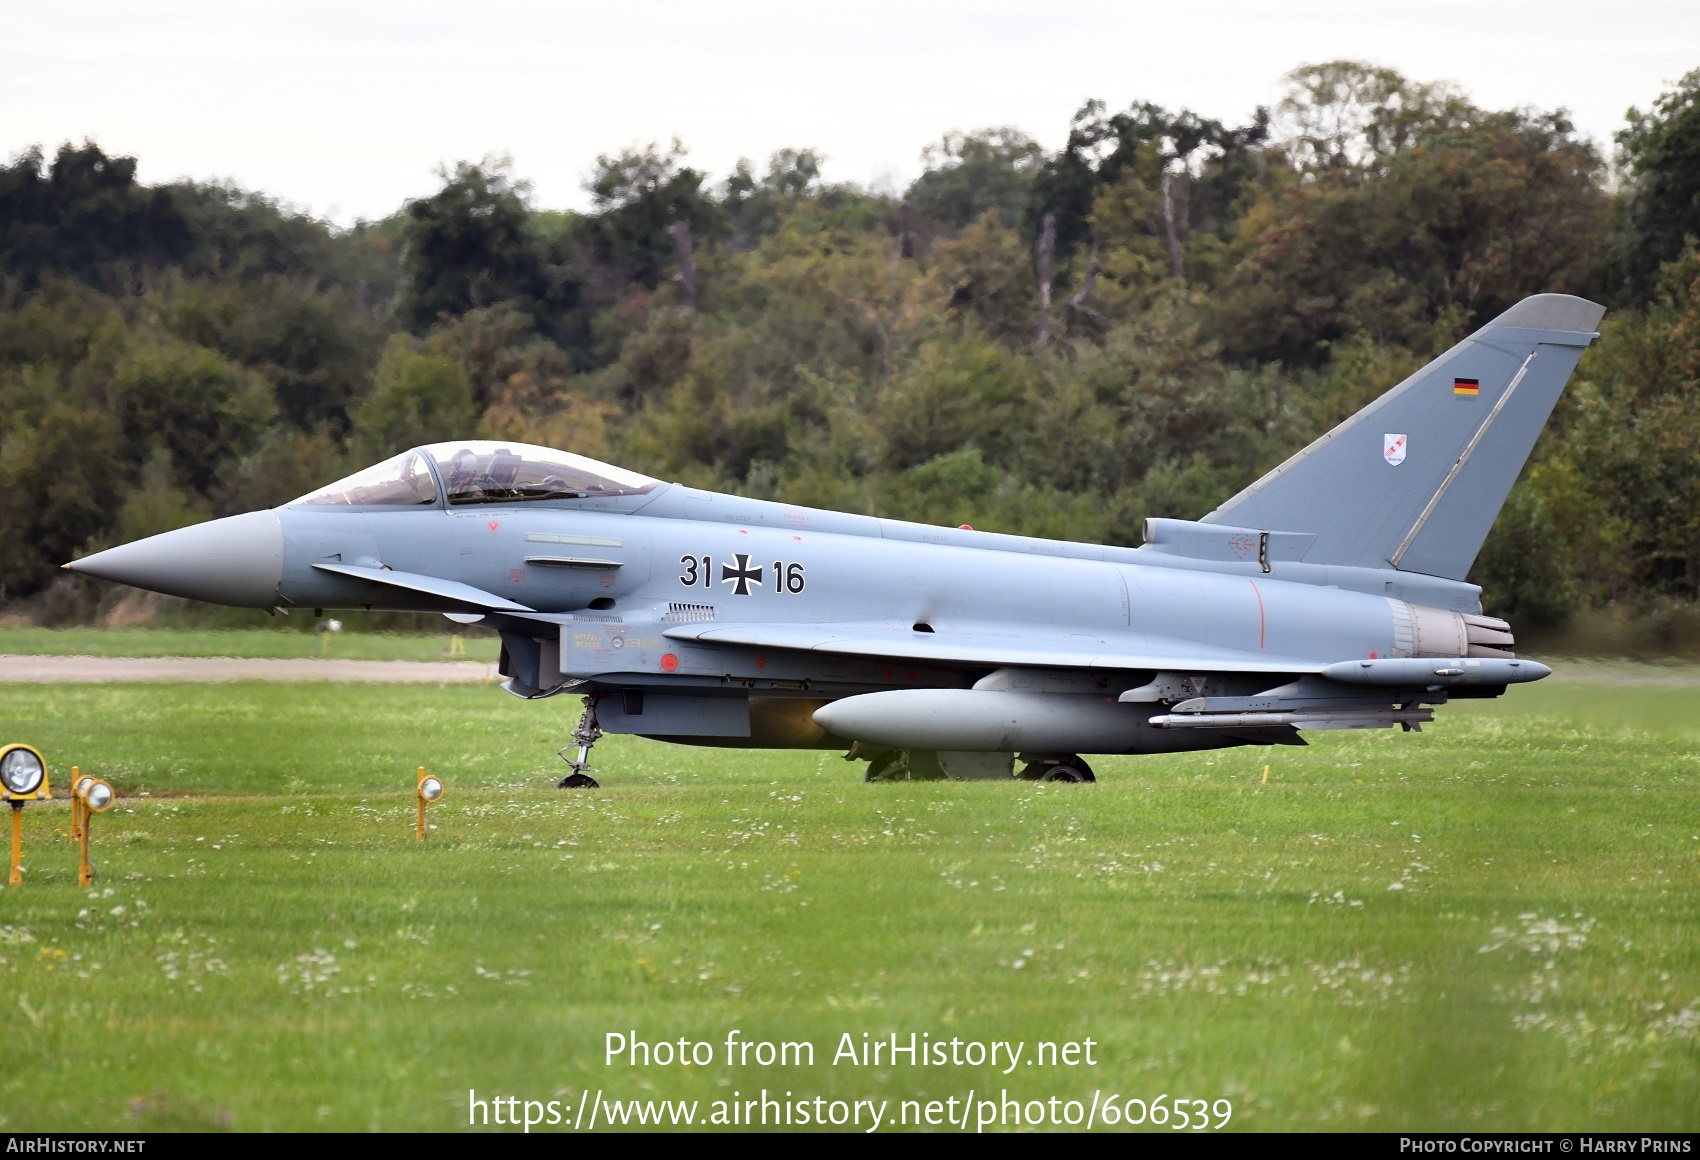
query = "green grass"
x=287 y=641
x=269 y=947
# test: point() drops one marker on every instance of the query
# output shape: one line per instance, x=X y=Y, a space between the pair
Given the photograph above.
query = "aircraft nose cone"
x=236 y=560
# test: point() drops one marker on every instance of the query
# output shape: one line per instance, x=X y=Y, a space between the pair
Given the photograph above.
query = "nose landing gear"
x=584 y=736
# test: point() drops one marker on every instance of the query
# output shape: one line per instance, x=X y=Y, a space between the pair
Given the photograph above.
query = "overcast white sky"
x=346 y=107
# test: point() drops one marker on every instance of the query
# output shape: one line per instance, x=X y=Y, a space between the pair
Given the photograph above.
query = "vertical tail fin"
x=1414 y=480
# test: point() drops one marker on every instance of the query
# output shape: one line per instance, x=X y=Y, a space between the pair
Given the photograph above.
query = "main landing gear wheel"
x=1069 y=770
x=904 y=765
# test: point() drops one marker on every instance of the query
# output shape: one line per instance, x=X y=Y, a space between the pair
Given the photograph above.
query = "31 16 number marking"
x=742 y=574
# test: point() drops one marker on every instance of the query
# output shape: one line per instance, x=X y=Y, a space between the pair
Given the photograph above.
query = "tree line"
x=1050 y=343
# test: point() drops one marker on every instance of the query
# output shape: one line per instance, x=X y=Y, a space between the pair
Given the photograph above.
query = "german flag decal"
x=1466 y=386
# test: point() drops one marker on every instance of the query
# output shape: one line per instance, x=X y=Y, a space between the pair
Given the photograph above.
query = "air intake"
x=688 y=613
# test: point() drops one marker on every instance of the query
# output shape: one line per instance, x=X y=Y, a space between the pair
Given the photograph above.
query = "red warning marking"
x=743 y=532
x=761 y=662
x=494 y=524
x=911 y=675
x=965 y=527
x=669 y=663
x=1262 y=623
x=888 y=674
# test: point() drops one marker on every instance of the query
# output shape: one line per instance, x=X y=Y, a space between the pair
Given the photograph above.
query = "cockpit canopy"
x=402 y=480
x=486 y=471
x=482 y=471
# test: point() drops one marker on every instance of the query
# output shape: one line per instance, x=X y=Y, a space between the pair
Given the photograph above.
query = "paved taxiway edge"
x=108 y=670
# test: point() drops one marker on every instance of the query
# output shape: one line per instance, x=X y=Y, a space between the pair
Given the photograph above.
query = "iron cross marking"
x=743 y=574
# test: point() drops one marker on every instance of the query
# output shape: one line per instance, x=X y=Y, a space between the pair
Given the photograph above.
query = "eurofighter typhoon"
x=1330 y=594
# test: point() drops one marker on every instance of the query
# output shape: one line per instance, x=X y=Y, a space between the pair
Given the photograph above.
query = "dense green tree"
x=639 y=194
x=470 y=245
x=1660 y=152
x=755 y=207
x=989 y=274
x=1102 y=147
x=1637 y=425
x=1347 y=119
x=968 y=174
x=315 y=345
x=85 y=216
x=200 y=407
x=956 y=392
x=247 y=235
x=60 y=325
x=285 y=464
x=1152 y=395
x=492 y=345
x=417 y=397
x=1471 y=213
x=61 y=479
x=156 y=503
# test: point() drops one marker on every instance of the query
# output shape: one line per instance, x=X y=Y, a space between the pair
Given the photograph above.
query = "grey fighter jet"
x=1330 y=594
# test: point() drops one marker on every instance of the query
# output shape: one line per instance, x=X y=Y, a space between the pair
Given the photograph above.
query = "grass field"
x=1491 y=925
x=348 y=644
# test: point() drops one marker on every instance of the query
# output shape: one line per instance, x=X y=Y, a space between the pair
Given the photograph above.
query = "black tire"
x=578 y=781
x=892 y=765
x=1069 y=771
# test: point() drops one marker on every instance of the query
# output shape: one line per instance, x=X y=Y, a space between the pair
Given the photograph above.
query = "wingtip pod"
x=1432 y=671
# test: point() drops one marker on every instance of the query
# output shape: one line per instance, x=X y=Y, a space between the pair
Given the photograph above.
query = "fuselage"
x=748 y=622
x=640 y=565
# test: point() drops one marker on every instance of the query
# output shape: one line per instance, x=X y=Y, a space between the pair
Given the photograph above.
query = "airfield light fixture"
x=90 y=796
x=23 y=773
x=428 y=789
x=23 y=778
x=77 y=780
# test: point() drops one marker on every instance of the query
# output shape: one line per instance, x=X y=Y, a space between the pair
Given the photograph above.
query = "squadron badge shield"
x=1393 y=449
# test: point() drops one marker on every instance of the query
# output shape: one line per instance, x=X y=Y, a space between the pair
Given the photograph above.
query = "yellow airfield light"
x=429 y=789
x=76 y=806
x=23 y=778
x=23 y=774
x=89 y=796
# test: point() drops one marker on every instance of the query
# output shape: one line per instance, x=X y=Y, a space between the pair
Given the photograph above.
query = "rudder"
x=1415 y=480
